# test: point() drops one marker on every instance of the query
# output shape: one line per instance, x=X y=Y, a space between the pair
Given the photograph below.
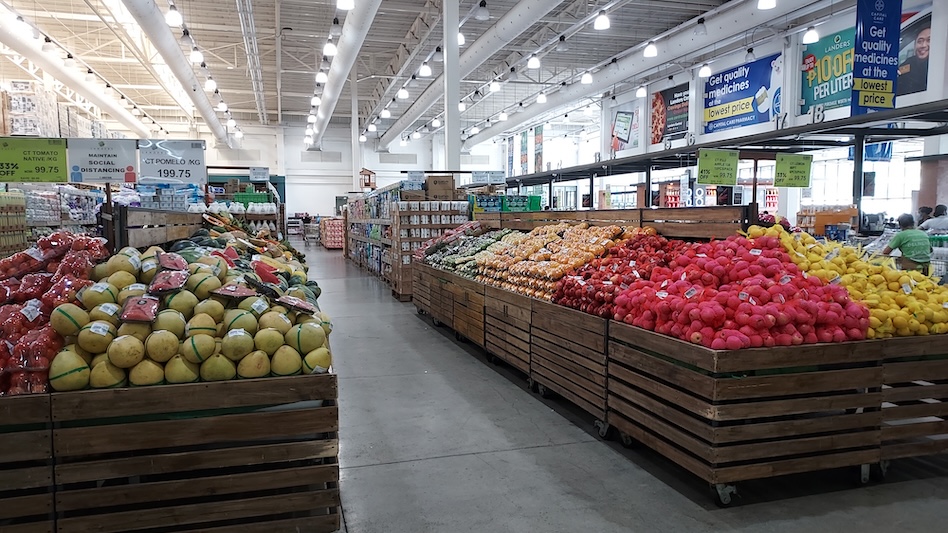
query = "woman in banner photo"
x=913 y=73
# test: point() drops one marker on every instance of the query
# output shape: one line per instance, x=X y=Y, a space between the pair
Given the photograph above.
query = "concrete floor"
x=434 y=439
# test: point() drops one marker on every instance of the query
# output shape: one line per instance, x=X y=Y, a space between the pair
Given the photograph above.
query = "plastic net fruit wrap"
x=17 y=320
x=77 y=263
x=32 y=287
x=65 y=290
x=36 y=349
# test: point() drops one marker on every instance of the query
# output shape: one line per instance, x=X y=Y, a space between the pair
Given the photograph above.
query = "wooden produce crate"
x=730 y=416
x=507 y=317
x=139 y=227
x=442 y=299
x=236 y=456
x=697 y=222
x=26 y=465
x=915 y=397
x=421 y=287
x=568 y=355
x=468 y=311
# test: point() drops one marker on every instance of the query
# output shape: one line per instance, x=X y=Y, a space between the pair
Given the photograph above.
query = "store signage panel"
x=745 y=95
x=524 y=156
x=717 y=167
x=538 y=148
x=793 y=170
x=669 y=117
x=172 y=162
x=102 y=160
x=828 y=71
x=25 y=160
x=876 y=60
x=260 y=174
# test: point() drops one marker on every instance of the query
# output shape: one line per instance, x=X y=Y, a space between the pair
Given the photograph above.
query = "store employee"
x=914 y=245
x=939 y=222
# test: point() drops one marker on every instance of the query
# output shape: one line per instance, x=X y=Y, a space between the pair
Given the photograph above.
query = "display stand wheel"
x=723 y=494
x=627 y=441
x=420 y=311
x=543 y=391
x=458 y=337
x=865 y=474
x=879 y=471
x=493 y=359
x=436 y=322
x=604 y=430
x=531 y=384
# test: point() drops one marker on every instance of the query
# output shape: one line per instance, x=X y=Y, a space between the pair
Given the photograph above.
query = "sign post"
x=25 y=160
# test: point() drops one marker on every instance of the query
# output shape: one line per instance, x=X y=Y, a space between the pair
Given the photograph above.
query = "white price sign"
x=172 y=162
x=102 y=160
x=261 y=174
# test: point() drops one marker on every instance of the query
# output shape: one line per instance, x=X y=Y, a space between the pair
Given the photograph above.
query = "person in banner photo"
x=913 y=72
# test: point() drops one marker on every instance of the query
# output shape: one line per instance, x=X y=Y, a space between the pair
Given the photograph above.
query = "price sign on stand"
x=32 y=160
x=172 y=162
x=793 y=170
x=717 y=167
x=102 y=160
x=260 y=174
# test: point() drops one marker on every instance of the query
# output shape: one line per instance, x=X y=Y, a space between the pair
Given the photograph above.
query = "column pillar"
x=452 y=87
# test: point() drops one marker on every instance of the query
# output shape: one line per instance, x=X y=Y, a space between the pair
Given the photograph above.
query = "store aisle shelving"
x=434 y=439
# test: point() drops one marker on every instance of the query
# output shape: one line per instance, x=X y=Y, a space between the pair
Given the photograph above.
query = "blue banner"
x=745 y=95
x=876 y=62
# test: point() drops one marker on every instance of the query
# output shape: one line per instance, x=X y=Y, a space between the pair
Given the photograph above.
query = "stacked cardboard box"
x=441 y=188
x=30 y=111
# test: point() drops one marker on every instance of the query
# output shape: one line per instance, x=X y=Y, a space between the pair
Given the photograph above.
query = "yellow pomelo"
x=201 y=284
x=317 y=361
x=201 y=324
x=255 y=304
x=152 y=253
x=180 y=370
x=126 y=351
x=100 y=271
x=146 y=373
x=105 y=375
x=236 y=344
x=126 y=262
x=268 y=340
x=305 y=338
x=218 y=265
x=148 y=270
x=96 y=359
x=212 y=308
x=99 y=293
x=95 y=337
x=240 y=319
x=109 y=312
x=133 y=290
x=161 y=346
x=218 y=368
x=182 y=302
x=276 y=321
x=325 y=322
x=170 y=320
x=198 y=348
x=200 y=268
x=122 y=279
x=139 y=330
x=68 y=319
x=73 y=347
x=286 y=362
x=68 y=371
x=279 y=309
x=255 y=365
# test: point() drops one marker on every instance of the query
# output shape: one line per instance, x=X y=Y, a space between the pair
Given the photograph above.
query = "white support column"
x=356 y=145
x=452 y=88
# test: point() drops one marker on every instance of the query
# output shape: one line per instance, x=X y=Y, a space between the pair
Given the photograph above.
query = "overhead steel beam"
x=248 y=29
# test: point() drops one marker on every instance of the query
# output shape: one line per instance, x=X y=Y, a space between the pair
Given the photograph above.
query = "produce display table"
x=26 y=465
x=468 y=315
x=731 y=416
x=507 y=318
x=421 y=279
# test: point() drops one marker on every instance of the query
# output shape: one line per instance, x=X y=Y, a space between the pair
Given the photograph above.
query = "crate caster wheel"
x=494 y=360
x=436 y=322
x=420 y=311
x=879 y=471
x=604 y=430
x=532 y=385
x=627 y=441
x=723 y=494
x=543 y=391
x=458 y=337
x=865 y=474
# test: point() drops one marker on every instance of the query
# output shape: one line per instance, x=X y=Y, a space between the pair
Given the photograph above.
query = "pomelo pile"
x=196 y=336
x=901 y=303
x=727 y=294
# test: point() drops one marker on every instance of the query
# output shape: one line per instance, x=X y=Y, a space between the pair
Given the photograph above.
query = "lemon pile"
x=901 y=303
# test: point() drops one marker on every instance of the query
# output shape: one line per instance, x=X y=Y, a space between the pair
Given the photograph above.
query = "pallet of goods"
x=331 y=233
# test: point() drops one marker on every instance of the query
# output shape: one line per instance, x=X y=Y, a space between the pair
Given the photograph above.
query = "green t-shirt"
x=913 y=244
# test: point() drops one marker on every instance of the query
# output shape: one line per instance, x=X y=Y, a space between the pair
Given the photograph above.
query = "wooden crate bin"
x=915 y=397
x=442 y=299
x=468 y=310
x=568 y=355
x=26 y=465
x=421 y=287
x=747 y=414
x=235 y=456
x=507 y=317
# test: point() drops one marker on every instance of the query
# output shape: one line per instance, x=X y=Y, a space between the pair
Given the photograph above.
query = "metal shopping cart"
x=311 y=231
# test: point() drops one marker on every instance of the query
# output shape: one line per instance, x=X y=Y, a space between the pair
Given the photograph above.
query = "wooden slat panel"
x=783 y=407
x=580 y=340
x=25 y=446
x=20 y=506
x=898 y=347
x=569 y=366
x=699 y=214
x=199 y=513
x=915 y=370
x=699 y=449
x=511 y=326
x=694 y=230
x=806 y=445
x=26 y=478
x=568 y=349
x=562 y=387
x=504 y=338
x=911 y=430
x=557 y=314
x=794 y=428
x=793 y=466
x=621 y=397
x=27 y=409
x=914 y=448
x=914 y=392
x=902 y=412
x=512 y=298
x=87 y=499
x=647 y=340
x=505 y=311
x=689 y=380
x=646 y=437
x=38 y=527
x=592 y=393
x=511 y=356
x=668 y=394
x=801 y=383
x=198 y=460
x=191 y=396
x=219 y=429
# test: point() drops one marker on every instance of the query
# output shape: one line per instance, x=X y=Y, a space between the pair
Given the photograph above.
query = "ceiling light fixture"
x=330 y=49
x=700 y=28
x=321 y=77
x=402 y=94
x=308 y=140
x=196 y=56
x=766 y=4
x=385 y=114
x=48 y=46
x=222 y=106
x=186 y=39
x=461 y=39
x=416 y=135
x=811 y=36
x=362 y=138
x=541 y=98
x=438 y=55
x=373 y=128
x=462 y=106
x=311 y=119
x=513 y=76
x=562 y=46
x=137 y=112
x=502 y=116
x=587 y=111
x=210 y=85
x=641 y=92
x=345 y=5
x=533 y=62
x=231 y=123
x=69 y=62
x=336 y=29
x=315 y=100
x=413 y=82
x=704 y=71
x=650 y=50
x=750 y=56
x=436 y=123
x=238 y=134
x=586 y=79
x=475 y=130
x=403 y=142
x=90 y=76
x=481 y=13
x=309 y=130
x=602 y=21
x=494 y=87
x=425 y=70
x=173 y=16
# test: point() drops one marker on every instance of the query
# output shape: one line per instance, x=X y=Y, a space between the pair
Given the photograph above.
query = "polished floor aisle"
x=434 y=439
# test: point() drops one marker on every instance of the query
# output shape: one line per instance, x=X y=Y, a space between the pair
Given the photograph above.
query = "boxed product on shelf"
x=484 y=203
x=30 y=110
x=521 y=203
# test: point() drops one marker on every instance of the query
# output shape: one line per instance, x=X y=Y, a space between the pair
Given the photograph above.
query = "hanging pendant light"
x=425 y=70
x=362 y=138
x=533 y=62
x=766 y=4
x=700 y=28
x=402 y=94
x=602 y=21
x=704 y=71
x=586 y=79
x=811 y=36
x=475 y=130
x=210 y=85
x=541 y=98
x=650 y=50
x=336 y=29
x=173 y=17
x=309 y=130
x=196 y=56
x=311 y=119
x=330 y=49
x=562 y=46
x=641 y=92
x=238 y=134
x=462 y=106
x=750 y=56
x=385 y=114
x=438 y=55
x=231 y=123
x=416 y=135
x=481 y=13
x=502 y=116
x=494 y=86
x=222 y=106
x=345 y=5
x=321 y=77
x=461 y=39
x=315 y=101
x=436 y=123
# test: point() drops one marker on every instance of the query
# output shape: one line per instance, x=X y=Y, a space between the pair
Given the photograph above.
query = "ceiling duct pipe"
x=152 y=22
x=354 y=31
x=734 y=21
x=516 y=21
x=74 y=79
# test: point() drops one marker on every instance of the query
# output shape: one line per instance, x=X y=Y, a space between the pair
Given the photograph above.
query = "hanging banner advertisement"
x=670 y=114
x=524 y=156
x=510 y=156
x=827 y=68
x=25 y=160
x=626 y=125
x=260 y=174
x=745 y=95
x=717 y=167
x=172 y=162
x=538 y=148
x=793 y=170
x=102 y=160
x=876 y=60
